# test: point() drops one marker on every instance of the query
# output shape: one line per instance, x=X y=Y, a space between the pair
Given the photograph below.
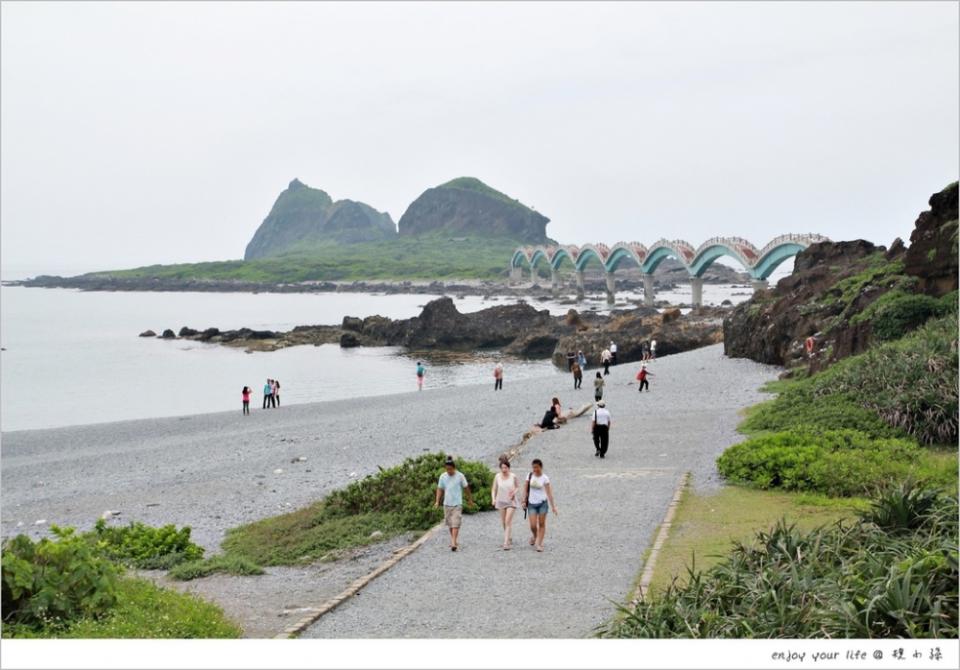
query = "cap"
x=601 y=403
x=449 y=461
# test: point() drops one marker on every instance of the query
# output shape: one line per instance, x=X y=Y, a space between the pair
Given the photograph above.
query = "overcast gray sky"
x=136 y=133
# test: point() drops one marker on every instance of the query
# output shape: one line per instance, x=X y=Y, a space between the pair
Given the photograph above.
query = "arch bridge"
x=759 y=263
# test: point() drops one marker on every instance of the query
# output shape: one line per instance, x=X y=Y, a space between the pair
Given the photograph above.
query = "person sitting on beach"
x=598 y=387
x=267 y=392
x=548 y=422
x=558 y=411
x=245 y=396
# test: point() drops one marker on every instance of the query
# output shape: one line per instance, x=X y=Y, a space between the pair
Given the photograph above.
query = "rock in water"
x=148 y=333
x=467 y=206
x=304 y=216
x=168 y=335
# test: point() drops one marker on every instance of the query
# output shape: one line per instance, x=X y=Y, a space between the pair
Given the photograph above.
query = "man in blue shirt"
x=451 y=486
x=267 y=394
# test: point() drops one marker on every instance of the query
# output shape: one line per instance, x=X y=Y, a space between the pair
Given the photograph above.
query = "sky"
x=135 y=133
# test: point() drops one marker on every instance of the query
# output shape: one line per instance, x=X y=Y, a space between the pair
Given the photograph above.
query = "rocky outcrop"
x=833 y=286
x=517 y=329
x=468 y=207
x=303 y=217
x=148 y=333
x=932 y=256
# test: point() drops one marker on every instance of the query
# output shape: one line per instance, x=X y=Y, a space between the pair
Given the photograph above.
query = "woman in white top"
x=503 y=494
x=536 y=494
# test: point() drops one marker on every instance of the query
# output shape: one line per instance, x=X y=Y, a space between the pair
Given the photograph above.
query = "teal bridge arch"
x=759 y=263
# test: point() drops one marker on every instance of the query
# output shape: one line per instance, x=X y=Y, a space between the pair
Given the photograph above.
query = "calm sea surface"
x=73 y=357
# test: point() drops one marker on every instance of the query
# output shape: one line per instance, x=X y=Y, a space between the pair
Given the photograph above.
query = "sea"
x=73 y=357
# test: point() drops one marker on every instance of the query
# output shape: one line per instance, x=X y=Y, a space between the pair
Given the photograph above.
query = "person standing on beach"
x=503 y=495
x=498 y=376
x=642 y=378
x=598 y=387
x=571 y=359
x=421 y=373
x=653 y=349
x=605 y=360
x=577 y=375
x=451 y=486
x=600 y=428
x=613 y=352
x=267 y=392
x=537 y=500
x=582 y=360
x=245 y=395
x=276 y=392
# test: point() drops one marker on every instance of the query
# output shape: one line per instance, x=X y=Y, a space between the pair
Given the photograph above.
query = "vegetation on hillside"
x=474 y=184
x=426 y=257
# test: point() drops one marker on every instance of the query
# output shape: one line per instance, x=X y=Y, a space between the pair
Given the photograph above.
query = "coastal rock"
x=932 y=256
x=349 y=340
x=209 y=334
x=352 y=323
x=148 y=333
x=468 y=207
x=168 y=334
x=188 y=332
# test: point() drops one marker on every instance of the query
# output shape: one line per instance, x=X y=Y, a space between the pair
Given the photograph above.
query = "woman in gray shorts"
x=537 y=500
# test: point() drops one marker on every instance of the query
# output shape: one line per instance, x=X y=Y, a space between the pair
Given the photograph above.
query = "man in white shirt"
x=600 y=427
x=613 y=353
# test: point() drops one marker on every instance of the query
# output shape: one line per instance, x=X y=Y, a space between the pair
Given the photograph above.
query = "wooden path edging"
x=662 y=534
x=314 y=613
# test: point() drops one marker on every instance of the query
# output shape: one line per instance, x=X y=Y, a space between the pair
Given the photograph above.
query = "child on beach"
x=421 y=371
x=245 y=394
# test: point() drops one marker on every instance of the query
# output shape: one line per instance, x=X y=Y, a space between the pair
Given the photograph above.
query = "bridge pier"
x=648 y=290
x=760 y=285
x=516 y=273
x=580 y=289
x=554 y=281
x=611 y=288
x=696 y=291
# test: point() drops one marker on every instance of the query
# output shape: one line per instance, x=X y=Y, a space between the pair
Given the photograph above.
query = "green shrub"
x=143 y=611
x=145 y=547
x=833 y=462
x=797 y=406
x=896 y=313
x=221 y=564
x=394 y=501
x=54 y=582
x=838 y=581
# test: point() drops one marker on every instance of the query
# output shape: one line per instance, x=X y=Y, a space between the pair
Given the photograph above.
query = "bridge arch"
x=663 y=249
x=772 y=259
x=632 y=253
x=736 y=248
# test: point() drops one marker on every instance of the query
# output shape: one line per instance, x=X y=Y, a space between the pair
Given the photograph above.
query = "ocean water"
x=73 y=357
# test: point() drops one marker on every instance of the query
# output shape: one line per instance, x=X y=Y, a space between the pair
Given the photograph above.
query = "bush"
x=222 y=564
x=54 y=582
x=833 y=462
x=394 y=501
x=896 y=313
x=145 y=547
x=143 y=610
x=838 y=581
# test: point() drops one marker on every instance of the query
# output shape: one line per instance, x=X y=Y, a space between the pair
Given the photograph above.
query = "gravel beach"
x=215 y=471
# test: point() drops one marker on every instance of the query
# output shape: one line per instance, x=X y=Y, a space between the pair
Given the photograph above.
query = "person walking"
x=537 y=501
x=598 y=387
x=276 y=392
x=245 y=396
x=582 y=360
x=653 y=349
x=267 y=392
x=642 y=378
x=577 y=375
x=451 y=486
x=605 y=360
x=613 y=352
x=600 y=427
x=644 y=350
x=503 y=495
x=421 y=373
x=498 y=376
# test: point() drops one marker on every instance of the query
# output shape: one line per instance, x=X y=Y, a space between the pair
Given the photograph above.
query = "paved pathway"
x=609 y=511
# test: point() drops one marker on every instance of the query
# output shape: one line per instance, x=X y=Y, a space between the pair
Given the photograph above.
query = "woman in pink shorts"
x=503 y=494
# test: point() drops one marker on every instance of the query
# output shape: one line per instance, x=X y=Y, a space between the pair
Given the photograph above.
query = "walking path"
x=609 y=511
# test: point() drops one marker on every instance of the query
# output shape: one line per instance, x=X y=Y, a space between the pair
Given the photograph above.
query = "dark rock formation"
x=932 y=256
x=148 y=333
x=304 y=216
x=168 y=334
x=468 y=207
x=188 y=332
